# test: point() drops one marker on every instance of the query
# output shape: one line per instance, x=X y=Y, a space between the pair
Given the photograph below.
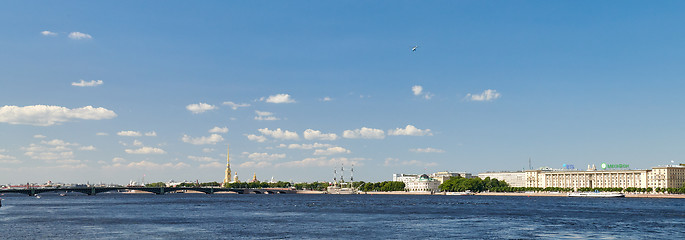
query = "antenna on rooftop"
x=530 y=166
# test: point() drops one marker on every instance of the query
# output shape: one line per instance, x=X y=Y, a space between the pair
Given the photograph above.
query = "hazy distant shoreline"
x=629 y=195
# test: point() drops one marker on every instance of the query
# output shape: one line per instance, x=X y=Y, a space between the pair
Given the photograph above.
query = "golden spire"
x=227 y=176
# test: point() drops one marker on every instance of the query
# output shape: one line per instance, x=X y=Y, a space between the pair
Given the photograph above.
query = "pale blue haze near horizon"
x=570 y=82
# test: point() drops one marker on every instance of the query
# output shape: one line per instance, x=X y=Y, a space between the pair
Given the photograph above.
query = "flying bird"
x=413 y=49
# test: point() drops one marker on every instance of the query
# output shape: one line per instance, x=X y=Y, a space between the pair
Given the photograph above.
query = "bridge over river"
x=155 y=190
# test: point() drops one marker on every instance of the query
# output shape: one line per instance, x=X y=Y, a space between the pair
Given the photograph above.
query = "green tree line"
x=387 y=186
x=460 y=184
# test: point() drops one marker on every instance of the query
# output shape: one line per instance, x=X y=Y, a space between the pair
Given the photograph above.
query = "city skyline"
x=105 y=92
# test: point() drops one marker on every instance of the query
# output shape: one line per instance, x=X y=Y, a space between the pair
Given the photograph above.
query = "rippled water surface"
x=231 y=216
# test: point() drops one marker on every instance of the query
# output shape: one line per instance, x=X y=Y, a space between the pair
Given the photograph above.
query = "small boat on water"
x=596 y=194
x=459 y=193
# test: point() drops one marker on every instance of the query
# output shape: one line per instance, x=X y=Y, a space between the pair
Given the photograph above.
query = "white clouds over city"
x=197 y=108
x=410 y=130
x=427 y=150
x=256 y=138
x=265 y=116
x=212 y=139
x=364 y=132
x=305 y=146
x=265 y=156
x=129 y=133
x=148 y=165
x=418 y=91
x=279 y=134
x=323 y=162
x=486 y=96
x=79 y=36
x=311 y=134
x=218 y=130
x=83 y=83
x=48 y=33
x=331 y=151
x=235 y=106
x=202 y=159
x=145 y=150
x=278 y=98
x=44 y=115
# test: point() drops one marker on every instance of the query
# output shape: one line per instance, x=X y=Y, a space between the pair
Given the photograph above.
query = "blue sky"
x=490 y=85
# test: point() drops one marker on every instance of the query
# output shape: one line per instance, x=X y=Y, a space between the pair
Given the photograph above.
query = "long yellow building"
x=671 y=176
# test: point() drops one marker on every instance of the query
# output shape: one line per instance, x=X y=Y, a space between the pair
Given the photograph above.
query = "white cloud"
x=326 y=99
x=427 y=150
x=145 y=150
x=202 y=159
x=43 y=115
x=151 y=134
x=305 y=146
x=58 y=151
x=92 y=83
x=218 y=130
x=87 y=148
x=149 y=165
x=48 y=33
x=58 y=142
x=410 y=130
x=39 y=136
x=322 y=162
x=364 y=132
x=79 y=35
x=417 y=90
x=207 y=150
x=137 y=143
x=118 y=160
x=395 y=161
x=256 y=138
x=331 y=151
x=200 y=108
x=102 y=134
x=265 y=116
x=129 y=133
x=265 y=156
x=486 y=96
x=311 y=134
x=278 y=98
x=212 y=139
x=280 y=134
x=235 y=106
x=213 y=165
x=253 y=164
x=8 y=159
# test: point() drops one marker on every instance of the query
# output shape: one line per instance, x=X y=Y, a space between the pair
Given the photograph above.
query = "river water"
x=299 y=216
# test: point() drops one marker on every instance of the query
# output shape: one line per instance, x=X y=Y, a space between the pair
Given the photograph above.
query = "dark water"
x=231 y=216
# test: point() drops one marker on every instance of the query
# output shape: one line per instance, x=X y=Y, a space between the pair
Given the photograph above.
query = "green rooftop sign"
x=614 y=166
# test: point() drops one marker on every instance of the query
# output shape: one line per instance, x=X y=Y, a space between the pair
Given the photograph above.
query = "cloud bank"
x=44 y=115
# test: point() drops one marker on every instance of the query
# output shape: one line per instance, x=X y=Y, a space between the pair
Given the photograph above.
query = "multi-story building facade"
x=658 y=177
x=671 y=176
x=514 y=179
x=417 y=183
x=444 y=176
